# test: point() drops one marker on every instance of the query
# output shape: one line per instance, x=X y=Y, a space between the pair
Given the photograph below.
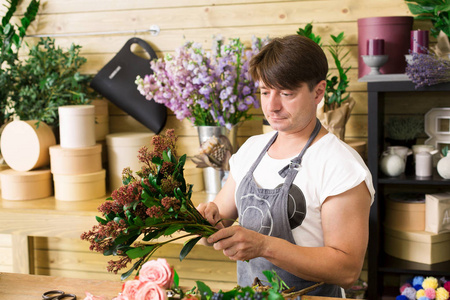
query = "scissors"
x=58 y=295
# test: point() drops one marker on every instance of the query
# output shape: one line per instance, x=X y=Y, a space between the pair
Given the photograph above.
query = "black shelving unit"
x=381 y=264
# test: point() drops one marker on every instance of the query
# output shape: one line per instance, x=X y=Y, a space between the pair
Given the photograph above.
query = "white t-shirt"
x=329 y=167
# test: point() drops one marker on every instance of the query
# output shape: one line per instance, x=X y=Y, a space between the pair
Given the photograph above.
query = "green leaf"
x=152 y=235
x=173 y=228
x=203 y=290
x=273 y=295
x=140 y=251
x=176 y=279
x=128 y=273
x=101 y=220
x=188 y=247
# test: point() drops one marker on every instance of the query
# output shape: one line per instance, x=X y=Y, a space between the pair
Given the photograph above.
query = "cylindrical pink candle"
x=419 y=41
x=375 y=47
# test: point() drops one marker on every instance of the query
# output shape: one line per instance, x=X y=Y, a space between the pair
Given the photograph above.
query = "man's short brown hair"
x=286 y=62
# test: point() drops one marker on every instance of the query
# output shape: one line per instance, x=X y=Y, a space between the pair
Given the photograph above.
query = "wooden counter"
x=31 y=287
x=49 y=218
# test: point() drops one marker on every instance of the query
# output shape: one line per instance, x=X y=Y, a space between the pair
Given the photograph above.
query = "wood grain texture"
x=179 y=20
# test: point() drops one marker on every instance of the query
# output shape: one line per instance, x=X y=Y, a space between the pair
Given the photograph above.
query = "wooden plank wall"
x=181 y=20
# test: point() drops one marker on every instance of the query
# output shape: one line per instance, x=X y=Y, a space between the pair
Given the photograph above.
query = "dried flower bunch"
x=428 y=69
x=209 y=88
x=215 y=153
x=153 y=203
x=159 y=281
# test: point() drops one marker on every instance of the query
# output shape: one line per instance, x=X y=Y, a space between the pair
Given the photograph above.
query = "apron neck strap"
x=296 y=162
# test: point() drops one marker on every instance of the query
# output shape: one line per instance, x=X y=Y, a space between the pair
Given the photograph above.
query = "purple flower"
x=209 y=88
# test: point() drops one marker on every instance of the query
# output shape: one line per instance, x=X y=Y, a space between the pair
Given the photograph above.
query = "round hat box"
x=80 y=187
x=29 y=185
x=77 y=126
x=123 y=150
x=25 y=146
x=67 y=161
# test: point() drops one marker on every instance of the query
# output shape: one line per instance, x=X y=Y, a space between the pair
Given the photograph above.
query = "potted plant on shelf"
x=438 y=12
x=47 y=79
x=403 y=131
x=11 y=38
x=335 y=109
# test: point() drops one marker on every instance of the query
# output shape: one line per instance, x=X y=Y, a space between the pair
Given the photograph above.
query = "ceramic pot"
x=443 y=167
x=392 y=164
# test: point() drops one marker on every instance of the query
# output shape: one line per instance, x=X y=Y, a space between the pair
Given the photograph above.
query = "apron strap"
x=296 y=162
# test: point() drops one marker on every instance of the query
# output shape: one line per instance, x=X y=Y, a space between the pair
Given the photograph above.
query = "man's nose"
x=274 y=102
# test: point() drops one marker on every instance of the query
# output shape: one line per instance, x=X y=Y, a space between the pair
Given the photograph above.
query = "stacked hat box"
x=417 y=227
x=24 y=146
x=76 y=164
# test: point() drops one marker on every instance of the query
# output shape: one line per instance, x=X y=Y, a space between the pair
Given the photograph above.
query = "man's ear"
x=319 y=91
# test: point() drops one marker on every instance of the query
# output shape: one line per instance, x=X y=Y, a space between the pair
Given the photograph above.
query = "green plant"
x=155 y=202
x=49 y=78
x=11 y=38
x=404 y=128
x=336 y=88
x=437 y=11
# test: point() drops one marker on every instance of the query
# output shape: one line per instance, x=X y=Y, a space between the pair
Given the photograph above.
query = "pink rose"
x=89 y=296
x=157 y=271
x=121 y=297
x=151 y=291
x=130 y=289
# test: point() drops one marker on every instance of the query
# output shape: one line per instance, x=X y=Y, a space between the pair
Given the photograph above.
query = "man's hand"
x=238 y=243
x=210 y=211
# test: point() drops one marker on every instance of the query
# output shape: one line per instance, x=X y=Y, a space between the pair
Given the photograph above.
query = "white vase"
x=212 y=178
x=392 y=164
x=443 y=167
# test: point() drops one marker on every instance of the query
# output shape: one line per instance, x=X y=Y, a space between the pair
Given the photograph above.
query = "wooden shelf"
x=379 y=262
x=390 y=264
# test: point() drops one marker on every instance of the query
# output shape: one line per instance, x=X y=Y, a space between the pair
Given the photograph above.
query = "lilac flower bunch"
x=428 y=69
x=209 y=88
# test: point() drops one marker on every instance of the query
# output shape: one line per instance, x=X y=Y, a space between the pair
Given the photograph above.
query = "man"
x=301 y=195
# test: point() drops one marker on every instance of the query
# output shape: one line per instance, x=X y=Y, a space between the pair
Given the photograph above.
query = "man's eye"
x=286 y=94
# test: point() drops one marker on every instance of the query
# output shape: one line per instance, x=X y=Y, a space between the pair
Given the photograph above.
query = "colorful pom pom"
x=417 y=280
x=420 y=293
x=401 y=297
x=403 y=287
x=430 y=282
x=442 y=294
x=447 y=286
x=418 y=287
x=430 y=293
x=423 y=298
x=410 y=293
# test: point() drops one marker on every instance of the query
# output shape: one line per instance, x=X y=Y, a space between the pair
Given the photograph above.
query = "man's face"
x=290 y=110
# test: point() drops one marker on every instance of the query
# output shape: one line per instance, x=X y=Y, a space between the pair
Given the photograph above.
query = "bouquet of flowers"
x=428 y=288
x=159 y=281
x=214 y=152
x=154 y=202
x=209 y=88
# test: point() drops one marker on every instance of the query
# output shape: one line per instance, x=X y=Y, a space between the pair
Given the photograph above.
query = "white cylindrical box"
x=72 y=161
x=80 y=187
x=29 y=185
x=122 y=153
x=77 y=126
x=25 y=147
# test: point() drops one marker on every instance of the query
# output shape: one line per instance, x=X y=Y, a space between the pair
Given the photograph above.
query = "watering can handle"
x=142 y=43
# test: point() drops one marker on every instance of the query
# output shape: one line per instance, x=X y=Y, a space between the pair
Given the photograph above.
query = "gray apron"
x=266 y=211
